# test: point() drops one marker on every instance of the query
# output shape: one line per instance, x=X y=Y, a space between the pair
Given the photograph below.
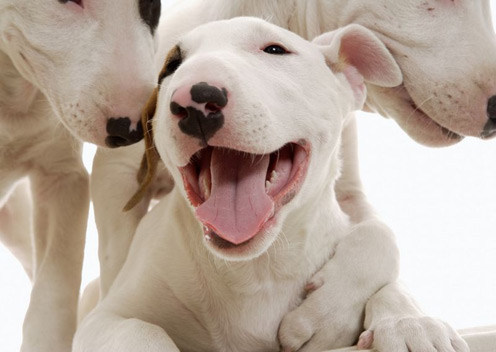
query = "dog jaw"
x=280 y=176
x=446 y=89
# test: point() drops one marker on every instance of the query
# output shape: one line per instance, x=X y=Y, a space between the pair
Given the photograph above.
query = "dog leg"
x=61 y=200
x=332 y=314
x=113 y=182
x=89 y=299
x=395 y=323
x=106 y=332
x=16 y=225
x=349 y=189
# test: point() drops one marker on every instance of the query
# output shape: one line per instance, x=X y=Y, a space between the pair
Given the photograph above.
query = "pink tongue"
x=238 y=205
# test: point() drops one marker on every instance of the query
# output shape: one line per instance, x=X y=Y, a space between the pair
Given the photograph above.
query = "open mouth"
x=237 y=194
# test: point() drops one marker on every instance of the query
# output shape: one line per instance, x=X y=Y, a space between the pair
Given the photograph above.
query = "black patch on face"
x=150 y=12
x=120 y=134
x=172 y=63
x=193 y=122
x=490 y=127
x=204 y=93
x=66 y=1
x=197 y=125
x=491 y=108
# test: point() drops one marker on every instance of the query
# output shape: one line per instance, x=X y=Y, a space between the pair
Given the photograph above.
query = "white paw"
x=324 y=320
x=413 y=334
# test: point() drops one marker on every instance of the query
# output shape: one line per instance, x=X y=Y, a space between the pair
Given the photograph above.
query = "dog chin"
x=245 y=251
x=424 y=129
x=419 y=125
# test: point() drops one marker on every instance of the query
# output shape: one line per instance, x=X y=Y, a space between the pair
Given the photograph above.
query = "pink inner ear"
x=357 y=83
x=364 y=54
x=370 y=57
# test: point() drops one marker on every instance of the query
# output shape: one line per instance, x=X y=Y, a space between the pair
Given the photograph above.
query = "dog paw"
x=413 y=334
x=321 y=322
x=366 y=340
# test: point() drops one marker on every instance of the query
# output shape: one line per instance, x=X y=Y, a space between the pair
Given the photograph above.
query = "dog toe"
x=295 y=330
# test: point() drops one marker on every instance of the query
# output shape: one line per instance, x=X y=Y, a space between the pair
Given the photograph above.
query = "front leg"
x=113 y=183
x=332 y=314
x=395 y=323
x=61 y=200
x=103 y=331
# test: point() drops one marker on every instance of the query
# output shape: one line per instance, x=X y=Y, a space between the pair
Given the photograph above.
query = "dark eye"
x=275 y=49
x=78 y=2
x=171 y=67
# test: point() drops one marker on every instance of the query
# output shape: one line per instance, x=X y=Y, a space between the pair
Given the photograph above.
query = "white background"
x=441 y=203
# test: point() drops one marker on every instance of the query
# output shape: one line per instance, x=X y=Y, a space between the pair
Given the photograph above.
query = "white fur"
x=61 y=65
x=433 y=80
x=178 y=290
x=423 y=36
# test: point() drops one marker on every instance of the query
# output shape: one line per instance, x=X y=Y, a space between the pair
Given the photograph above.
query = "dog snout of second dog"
x=199 y=109
x=490 y=127
x=120 y=133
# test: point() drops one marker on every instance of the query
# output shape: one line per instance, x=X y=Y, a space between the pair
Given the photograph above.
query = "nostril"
x=120 y=133
x=178 y=110
x=115 y=142
x=491 y=108
x=212 y=107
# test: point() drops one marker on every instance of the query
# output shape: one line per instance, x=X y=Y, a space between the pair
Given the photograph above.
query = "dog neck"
x=16 y=94
x=309 y=233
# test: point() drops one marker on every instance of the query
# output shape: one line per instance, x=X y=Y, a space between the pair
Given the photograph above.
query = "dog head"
x=446 y=50
x=93 y=60
x=248 y=119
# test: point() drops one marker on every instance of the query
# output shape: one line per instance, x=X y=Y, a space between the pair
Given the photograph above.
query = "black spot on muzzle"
x=194 y=122
x=490 y=127
x=120 y=134
x=197 y=125
x=150 y=13
x=204 y=93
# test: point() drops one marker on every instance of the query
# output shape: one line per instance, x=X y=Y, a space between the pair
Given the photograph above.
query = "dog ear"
x=150 y=160
x=357 y=53
x=151 y=157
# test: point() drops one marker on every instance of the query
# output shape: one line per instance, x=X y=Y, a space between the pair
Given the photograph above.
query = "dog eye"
x=275 y=49
x=78 y=2
x=171 y=67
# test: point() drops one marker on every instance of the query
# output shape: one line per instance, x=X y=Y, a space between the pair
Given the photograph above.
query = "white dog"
x=248 y=121
x=423 y=37
x=87 y=64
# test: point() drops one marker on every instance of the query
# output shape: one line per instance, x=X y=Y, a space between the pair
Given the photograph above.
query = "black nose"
x=490 y=127
x=491 y=108
x=202 y=116
x=120 y=133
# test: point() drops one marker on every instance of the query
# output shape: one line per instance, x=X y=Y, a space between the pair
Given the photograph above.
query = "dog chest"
x=241 y=322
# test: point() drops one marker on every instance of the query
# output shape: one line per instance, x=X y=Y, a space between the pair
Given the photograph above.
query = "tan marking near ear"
x=174 y=54
x=148 y=167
